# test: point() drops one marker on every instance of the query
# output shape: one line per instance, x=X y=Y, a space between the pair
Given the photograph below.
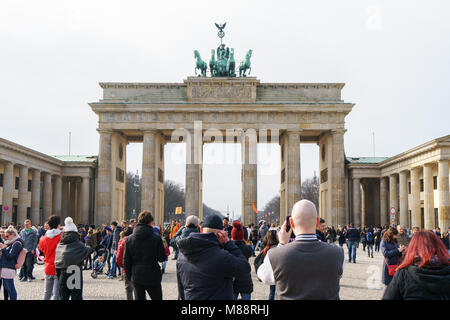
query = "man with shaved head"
x=305 y=268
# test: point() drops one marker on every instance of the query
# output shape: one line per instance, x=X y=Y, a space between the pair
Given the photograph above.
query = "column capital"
x=338 y=131
x=429 y=164
x=105 y=131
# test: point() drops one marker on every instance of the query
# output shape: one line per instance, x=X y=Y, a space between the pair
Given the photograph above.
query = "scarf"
x=10 y=242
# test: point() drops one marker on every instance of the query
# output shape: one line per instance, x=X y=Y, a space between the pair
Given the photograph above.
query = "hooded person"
x=208 y=262
x=242 y=285
x=47 y=245
x=70 y=254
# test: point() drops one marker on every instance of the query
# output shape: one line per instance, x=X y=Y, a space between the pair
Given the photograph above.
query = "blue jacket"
x=107 y=241
x=10 y=254
x=352 y=234
x=30 y=239
x=206 y=268
x=392 y=256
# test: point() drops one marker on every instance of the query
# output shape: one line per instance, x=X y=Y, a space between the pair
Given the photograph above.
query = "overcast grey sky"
x=394 y=57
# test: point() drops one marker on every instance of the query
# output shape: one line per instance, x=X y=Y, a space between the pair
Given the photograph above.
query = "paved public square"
x=359 y=282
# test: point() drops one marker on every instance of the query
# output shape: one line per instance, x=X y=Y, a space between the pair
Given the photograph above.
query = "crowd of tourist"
x=301 y=259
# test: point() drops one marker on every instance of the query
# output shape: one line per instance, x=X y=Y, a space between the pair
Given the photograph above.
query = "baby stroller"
x=97 y=268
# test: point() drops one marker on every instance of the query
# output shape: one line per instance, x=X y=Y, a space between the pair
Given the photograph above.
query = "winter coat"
x=262 y=232
x=116 y=237
x=206 y=268
x=30 y=239
x=47 y=246
x=107 y=241
x=320 y=236
x=244 y=283
x=341 y=235
x=167 y=252
x=143 y=250
x=174 y=230
x=8 y=258
x=119 y=252
x=392 y=256
x=254 y=236
x=414 y=283
x=352 y=234
x=377 y=236
x=184 y=232
x=228 y=230
x=70 y=251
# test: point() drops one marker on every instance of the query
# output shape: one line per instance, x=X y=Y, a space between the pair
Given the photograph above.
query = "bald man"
x=305 y=268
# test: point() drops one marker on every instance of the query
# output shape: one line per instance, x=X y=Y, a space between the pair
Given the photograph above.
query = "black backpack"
x=259 y=260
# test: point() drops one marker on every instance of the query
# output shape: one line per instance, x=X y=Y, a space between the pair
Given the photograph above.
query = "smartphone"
x=288 y=224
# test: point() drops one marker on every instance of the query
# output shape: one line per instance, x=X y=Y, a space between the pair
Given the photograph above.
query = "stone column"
x=72 y=199
x=194 y=160
x=149 y=172
x=403 y=177
x=65 y=198
x=338 y=179
x=85 y=200
x=57 y=195
x=249 y=179
x=357 y=202
x=393 y=195
x=104 y=192
x=8 y=189
x=35 y=196
x=23 y=195
x=444 y=195
x=428 y=196
x=415 y=197
x=47 y=205
x=383 y=202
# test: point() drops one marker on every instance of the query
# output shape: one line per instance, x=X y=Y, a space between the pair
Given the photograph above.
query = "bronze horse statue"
x=200 y=64
x=245 y=65
x=231 y=64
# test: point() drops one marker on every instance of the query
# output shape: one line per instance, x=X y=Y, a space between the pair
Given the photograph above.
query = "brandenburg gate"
x=228 y=108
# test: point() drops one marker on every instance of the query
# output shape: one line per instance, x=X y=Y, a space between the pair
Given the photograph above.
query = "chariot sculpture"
x=222 y=62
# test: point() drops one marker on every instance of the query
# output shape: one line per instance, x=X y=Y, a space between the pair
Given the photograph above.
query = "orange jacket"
x=174 y=230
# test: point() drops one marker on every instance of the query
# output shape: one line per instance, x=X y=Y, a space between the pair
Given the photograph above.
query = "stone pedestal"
x=415 y=197
x=23 y=195
x=444 y=195
x=403 y=178
x=35 y=196
x=428 y=196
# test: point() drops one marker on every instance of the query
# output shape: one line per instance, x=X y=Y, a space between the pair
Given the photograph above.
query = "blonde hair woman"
x=10 y=251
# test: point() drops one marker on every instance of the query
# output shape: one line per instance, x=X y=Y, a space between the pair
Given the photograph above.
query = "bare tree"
x=310 y=190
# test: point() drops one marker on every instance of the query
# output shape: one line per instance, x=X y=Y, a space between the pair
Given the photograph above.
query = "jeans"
x=175 y=250
x=155 y=292
x=253 y=248
x=51 y=285
x=244 y=296
x=64 y=292
x=112 y=271
x=369 y=249
x=5 y=292
x=377 y=246
x=10 y=288
x=272 y=292
x=352 y=245
x=163 y=267
x=27 y=268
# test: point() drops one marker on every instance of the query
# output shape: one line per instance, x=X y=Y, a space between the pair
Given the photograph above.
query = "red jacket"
x=167 y=252
x=119 y=252
x=47 y=245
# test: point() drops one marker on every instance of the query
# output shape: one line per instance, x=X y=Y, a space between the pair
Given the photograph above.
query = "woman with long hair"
x=391 y=253
x=425 y=271
x=270 y=241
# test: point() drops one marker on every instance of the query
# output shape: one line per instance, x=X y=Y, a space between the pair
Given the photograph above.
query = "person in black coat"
x=208 y=262
x=242 y=285
x=422 y=276
x=143 y=250
x=391 y=253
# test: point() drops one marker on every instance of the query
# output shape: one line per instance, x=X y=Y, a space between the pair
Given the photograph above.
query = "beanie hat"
x=237 y=233
x=69 y=225
x=108 y=229
x=213 y=221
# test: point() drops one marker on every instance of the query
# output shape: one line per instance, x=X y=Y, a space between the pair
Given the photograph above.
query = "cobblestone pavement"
x=359 y=281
